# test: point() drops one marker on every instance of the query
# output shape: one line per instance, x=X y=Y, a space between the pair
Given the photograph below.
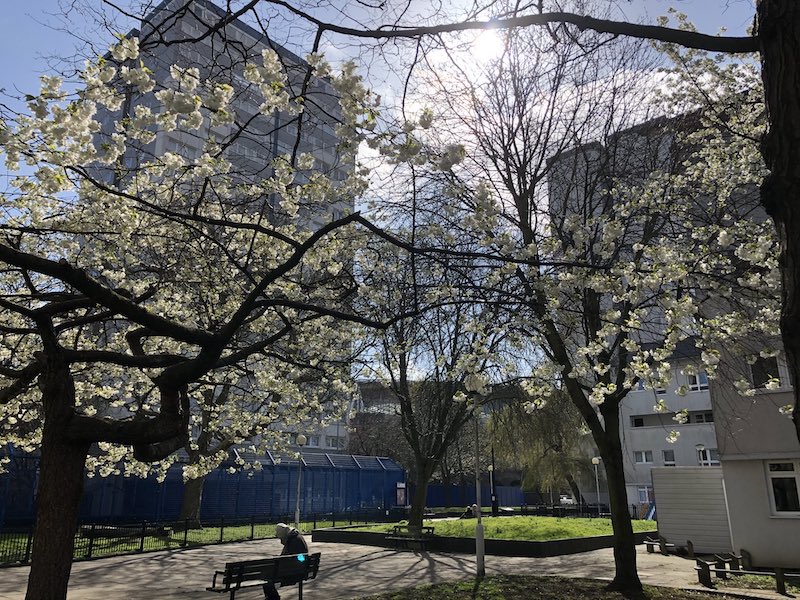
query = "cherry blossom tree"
x=142 y=300
x=559 y=172
x=774 y=39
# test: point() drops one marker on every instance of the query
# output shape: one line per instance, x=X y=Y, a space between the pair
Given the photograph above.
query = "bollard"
x=91 y=542
x=141 y=539
x=780 y=581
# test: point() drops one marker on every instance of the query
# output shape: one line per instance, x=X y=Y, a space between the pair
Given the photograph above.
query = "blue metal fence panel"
x=460 y=496
x=330 y=483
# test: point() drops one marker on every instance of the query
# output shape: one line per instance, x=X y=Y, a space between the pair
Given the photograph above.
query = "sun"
x=488 y=45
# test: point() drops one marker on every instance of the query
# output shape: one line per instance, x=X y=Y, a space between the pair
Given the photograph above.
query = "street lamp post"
x=301 y=441
x=492 y=489
x=701 y=449
x=595 y=462
x=479 y=544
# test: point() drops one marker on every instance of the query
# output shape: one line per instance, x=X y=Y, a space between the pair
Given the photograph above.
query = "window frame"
x=695 y=382
x=705 y=458
x=668 y=463
x=643 y=454
x=763 y=384
x=703 y=417
x=648 y=493
x=339 y=445
x=770 y=475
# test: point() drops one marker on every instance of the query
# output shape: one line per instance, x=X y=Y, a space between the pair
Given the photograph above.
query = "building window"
x=784 y=482
x=643 y=456
x=637 y=421
x=332 y=441
x=703 y=417
x=708 y=457
x=313 y=441
x=763 y=370
x=698 y=383
x=645 y=494
x=669 y=458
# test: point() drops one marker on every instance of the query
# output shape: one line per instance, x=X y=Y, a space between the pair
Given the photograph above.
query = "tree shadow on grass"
x=476 y=587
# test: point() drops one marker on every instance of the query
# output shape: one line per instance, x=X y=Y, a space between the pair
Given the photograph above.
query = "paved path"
x=346 y=571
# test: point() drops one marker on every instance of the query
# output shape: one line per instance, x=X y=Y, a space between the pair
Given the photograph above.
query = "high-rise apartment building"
x=201 y=35
x=187 y=33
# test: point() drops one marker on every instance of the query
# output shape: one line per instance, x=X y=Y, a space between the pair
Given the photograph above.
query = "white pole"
x=597 y=487
x=301 y=441
x=595 y=462
x=479 y=546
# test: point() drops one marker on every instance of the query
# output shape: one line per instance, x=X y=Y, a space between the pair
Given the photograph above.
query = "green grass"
x=12 y=546
x=758 y=582
x=525 y=528
x=536 y=588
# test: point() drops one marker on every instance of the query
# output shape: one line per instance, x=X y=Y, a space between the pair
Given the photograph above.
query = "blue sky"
x=25 y=41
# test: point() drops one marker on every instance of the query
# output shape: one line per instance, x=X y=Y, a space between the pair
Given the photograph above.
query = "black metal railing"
x=97 y=540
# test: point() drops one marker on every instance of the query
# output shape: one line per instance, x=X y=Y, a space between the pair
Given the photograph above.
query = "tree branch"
x=687 y=39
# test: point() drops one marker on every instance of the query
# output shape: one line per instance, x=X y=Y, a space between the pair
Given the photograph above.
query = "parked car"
x=564 y=499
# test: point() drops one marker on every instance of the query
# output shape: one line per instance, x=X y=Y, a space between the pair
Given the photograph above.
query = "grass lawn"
x=525 y=528
x=758 y=582
x=12 y=546
x=535 y=588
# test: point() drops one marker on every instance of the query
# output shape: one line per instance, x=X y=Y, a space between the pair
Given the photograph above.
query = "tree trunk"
x=418 y=500
x=573 y=486
x=59 y=490
x=625 y=578
x=190 y=504
x=779 y=40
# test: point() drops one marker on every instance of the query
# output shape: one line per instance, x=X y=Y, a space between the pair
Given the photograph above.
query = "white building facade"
x=645 y=429
x=760 y=457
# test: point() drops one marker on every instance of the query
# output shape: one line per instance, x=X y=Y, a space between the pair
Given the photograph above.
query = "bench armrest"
x=214 y=580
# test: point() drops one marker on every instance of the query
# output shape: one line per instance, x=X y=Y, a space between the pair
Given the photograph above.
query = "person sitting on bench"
x=293 y=543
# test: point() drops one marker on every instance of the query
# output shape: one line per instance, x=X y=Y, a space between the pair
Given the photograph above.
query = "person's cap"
x=282 y=531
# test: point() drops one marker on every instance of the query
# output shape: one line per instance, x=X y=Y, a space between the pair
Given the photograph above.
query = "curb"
x=493 y=547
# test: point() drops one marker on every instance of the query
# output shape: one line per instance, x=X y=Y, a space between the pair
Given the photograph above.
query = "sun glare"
x=488 y=45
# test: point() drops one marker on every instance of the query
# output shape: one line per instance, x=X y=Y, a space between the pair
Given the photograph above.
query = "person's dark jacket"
x=295 y=544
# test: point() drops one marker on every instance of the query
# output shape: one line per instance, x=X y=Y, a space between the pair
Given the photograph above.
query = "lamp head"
x=301 y=440
x=596 y=460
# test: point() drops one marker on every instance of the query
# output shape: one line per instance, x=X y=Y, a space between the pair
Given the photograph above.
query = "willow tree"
x=547 y=441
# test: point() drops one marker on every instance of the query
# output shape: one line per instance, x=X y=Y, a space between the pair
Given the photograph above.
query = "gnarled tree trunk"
x=60 y=487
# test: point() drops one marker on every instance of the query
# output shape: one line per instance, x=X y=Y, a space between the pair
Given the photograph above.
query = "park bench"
x=663 y=546
x=730 y=565
x=409 y=538
x=290 y=569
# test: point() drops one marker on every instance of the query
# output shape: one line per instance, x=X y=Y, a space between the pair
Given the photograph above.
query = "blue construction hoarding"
x=330 y=483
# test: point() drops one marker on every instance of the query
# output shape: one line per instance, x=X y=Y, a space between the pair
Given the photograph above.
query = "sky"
x=26 y=41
